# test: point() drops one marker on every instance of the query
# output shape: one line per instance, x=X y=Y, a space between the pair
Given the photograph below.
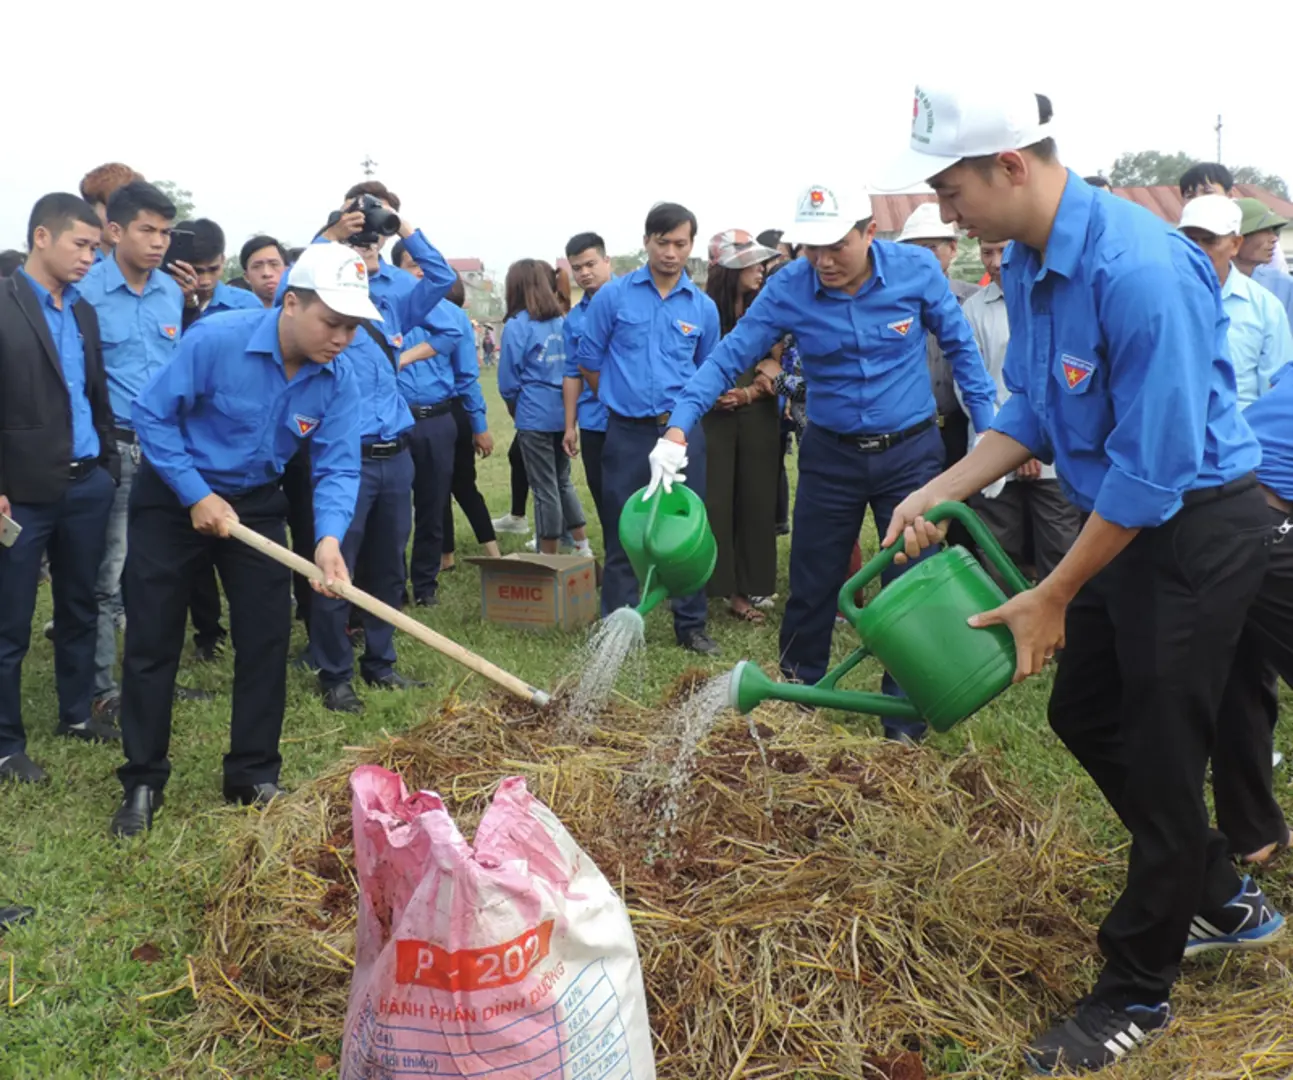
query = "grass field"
x=78 y=1005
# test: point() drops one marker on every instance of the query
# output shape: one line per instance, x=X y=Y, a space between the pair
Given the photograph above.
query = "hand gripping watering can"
x=669 y=543
x=916 y=627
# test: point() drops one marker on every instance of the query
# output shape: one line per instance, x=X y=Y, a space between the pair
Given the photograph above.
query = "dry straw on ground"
x=855 y=909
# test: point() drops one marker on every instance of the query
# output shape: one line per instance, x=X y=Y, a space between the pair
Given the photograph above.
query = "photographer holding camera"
x=379 y=531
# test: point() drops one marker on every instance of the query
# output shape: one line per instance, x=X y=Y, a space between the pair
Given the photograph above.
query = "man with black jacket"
x=58 y=469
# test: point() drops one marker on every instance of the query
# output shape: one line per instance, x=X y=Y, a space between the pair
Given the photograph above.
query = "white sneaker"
x=1277 y=759
x=532 y=544
x=764 y=603
x=584 y=549
x=510 y=523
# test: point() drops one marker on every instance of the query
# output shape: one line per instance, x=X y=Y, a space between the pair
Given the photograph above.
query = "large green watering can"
x=669 y=543
x=916 y=628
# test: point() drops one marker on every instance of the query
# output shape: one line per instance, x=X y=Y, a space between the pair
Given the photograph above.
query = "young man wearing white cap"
x=1118 y=373
x=1259 y=338
x=859 y=309
x=217 y=425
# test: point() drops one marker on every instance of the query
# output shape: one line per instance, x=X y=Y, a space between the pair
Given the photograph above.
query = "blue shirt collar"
x=70 y=295
x=384 y=269
x=1067 y=240
x=117 y=280
x=643 y=274
x=264 y=340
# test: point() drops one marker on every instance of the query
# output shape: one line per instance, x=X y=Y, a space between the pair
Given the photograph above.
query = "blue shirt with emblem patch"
x=1118 y=365
x=531 y=367
x=590 y=411
x=227 y=298
x=863 y=357
x=390 y=281
x=453 y=372
x=222 y=416
x=645 y=347
x=139 y=330
x=71 y=358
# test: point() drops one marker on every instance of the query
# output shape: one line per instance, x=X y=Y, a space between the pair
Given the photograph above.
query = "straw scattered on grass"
x=855 y=909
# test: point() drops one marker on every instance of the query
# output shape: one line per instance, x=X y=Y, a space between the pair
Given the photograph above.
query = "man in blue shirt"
x=379 y=530
x=385 y=281
x=57 y=466
x=437 y=366
x=591 y=269
x=217 y=425
x=1259 y=338
x=859 y=309
x=140 y=311
x=1119 y=374
x=643 y=336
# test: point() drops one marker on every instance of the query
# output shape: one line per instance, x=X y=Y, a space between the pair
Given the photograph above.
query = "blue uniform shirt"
x=1281 y=285
x=863 y=357
x=1271 y=420
x=139 y=331
x=227 y=298
x=1117 y=363
x=222 y=417
x=453 y=372
x=591 y=412
x=531 y=366
x=390 y=281
x=71 y=358
x=645 y=347
x=1259 y=338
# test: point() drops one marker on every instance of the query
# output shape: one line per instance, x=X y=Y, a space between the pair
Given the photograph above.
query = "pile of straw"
x=850 y=909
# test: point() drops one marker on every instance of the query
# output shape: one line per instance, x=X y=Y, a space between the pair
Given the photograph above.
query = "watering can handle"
x=974 y=525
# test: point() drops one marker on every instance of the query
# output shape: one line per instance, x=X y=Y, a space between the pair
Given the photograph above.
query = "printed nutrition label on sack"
x=580 y=1036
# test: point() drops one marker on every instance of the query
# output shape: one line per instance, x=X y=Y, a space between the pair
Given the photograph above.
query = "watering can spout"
x=750 y=687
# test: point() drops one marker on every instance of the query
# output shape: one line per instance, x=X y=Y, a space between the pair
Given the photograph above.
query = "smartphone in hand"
x=9 y=530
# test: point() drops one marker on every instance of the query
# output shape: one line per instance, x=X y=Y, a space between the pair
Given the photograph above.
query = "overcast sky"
x=507 y=126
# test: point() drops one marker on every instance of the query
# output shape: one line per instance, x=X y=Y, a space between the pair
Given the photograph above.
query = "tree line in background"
x=1149 y=168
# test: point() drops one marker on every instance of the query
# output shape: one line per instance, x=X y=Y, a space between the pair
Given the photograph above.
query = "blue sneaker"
x=1247 y=922
x=1096 y=1035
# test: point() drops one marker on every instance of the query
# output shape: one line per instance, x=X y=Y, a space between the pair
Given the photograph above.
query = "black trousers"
x=591 y=445
x=204 y=608
x=954 y=427
x=1242 y=780
x=520 y=482
x=465 y=491
x=298 y=488
x=1033 y=509
x=163 y=553
x=1149 y=646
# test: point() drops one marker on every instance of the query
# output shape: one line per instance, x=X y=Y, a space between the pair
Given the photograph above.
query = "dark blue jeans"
x=625 y=468
x=373 y=548
x=74 y=530
x=837 y=482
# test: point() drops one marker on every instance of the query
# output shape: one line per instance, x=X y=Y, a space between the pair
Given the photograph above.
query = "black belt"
x=379 y=451
x=875 y=444
x=125 y=435
x=79 y=470
x=659 y=420
x=425 y=412
x=1206 y=495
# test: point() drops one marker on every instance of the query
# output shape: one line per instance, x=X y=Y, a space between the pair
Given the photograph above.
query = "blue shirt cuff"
x=189 y=487
x=1017 y=419
x=982 y=416
x=1134 y=503
x=334 y=525
x=683 y=417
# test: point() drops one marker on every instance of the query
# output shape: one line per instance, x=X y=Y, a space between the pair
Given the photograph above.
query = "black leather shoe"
x=135 y=814
x=700 y=642
x=12 y=916
x=430 y=599
x=19 y=767
x=393 y=680
x=253 y=794
x=185 y=693
x=342 y=698
x=92 y=730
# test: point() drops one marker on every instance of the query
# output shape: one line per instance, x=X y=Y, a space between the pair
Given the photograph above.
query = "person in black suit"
x=58 y=469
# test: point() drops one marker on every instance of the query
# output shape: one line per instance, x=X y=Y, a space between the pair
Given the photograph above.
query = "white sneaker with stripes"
x=1247 y=922
x=1096 y=1035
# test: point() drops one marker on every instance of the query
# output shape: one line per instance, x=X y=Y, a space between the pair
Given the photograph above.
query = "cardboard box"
x=538 y=591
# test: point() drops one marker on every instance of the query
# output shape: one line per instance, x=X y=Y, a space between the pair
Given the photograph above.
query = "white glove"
x=667 y=460
x=997 y=486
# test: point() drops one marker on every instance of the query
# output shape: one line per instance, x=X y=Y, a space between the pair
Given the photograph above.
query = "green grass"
x=97 y=900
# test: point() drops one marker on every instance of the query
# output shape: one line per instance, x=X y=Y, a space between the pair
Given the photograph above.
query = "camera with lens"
x=378 y=221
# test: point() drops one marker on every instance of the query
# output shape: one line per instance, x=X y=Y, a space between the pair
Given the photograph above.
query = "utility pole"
x=1219 y=138
x=370 y=166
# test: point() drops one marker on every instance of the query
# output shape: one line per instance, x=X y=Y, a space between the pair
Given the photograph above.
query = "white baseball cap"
x=1217 y=214
x=926 y=223
x=824 y=215
x=338 y=276
x=948 y=125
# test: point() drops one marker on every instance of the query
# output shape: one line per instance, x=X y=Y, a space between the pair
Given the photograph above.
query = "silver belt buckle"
x=1282 y=530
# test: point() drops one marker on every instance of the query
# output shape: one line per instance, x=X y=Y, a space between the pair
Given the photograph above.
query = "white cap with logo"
x=824 y=215
x=949 y=125
x=926 y=223
x=1217 y=214
x=338 y=275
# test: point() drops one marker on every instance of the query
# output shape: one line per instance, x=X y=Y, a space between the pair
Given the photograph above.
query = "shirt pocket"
x=1082 y=401
x=821 y=341
x=633 y=332
x=168 y=331
x=240 y=419
x=114 y=331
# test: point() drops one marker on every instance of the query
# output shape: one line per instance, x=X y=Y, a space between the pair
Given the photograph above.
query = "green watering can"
x=916 y=627
x=669 y=543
